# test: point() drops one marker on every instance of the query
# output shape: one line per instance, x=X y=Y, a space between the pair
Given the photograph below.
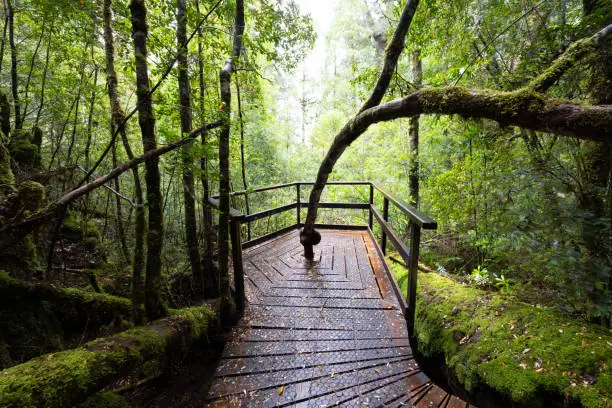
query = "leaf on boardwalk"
x=281 y=389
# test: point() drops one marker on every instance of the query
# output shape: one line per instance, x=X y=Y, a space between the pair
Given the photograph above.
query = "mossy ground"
x=531 y=354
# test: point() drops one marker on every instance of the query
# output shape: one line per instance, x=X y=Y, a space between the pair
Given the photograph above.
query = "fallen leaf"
x=281 y=389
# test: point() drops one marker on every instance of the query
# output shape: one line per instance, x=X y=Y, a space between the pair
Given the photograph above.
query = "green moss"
x=24 y=152
x=72 y=228
x=523 y=351
x=23 y=254
x=105 y=400
x=70 y=224
x=40 y=318
x=31 y=195
x=67 y=378
x=6 y=173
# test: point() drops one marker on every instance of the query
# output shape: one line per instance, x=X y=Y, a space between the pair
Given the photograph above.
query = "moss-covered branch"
x=78 y=301
x=568 y=59
x=81 y=305
x=67 y=378
x=524 y=108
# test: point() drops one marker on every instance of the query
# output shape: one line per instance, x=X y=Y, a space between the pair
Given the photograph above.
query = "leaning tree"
x=527 y=107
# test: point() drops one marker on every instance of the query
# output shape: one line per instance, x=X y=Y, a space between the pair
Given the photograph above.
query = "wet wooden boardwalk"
x=321 y=334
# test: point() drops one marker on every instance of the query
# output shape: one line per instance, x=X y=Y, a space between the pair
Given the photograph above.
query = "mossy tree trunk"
x=119 y=119
x=413 y=137
x=209 y=271
x=227 y=306
x=10 y=10
x=154 y=304
x=191 y=229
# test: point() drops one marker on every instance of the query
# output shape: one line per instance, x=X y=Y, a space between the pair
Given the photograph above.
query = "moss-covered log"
x=67 y=378
x=40 y=318
x=534 y=356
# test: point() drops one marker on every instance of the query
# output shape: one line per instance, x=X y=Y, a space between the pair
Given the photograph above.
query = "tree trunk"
x=119 y=213
x=154 y=304
x=44 y=81
x=101 y=361
x=413 y=138
x=14 y=83
x=308 y=236
x=525 y=107
x=119 y=119
x=92 y=105
x=245 y=185
x=191 y=228
x=5 y=116
x=210 y=272
x=227 y=306
x=32 y=63
x=6 y=23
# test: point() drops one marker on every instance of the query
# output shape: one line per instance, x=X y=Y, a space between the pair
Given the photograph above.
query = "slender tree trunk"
x=60 y=137
x=227 y=306
x=119 y=213
x=44 y=81
x=92 y=104
x=14 y=82
x=32 y=63
x=413 y=138
x=210 y=272
x=245 y=185
x=119 y=119
x=191 y=228
x=6 y=23
x=5 y=117
x=74 y=123
x=154 y=304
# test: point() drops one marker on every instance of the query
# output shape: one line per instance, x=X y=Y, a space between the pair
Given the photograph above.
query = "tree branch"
x=392 y=55
x=569 y=58
x=11 y=233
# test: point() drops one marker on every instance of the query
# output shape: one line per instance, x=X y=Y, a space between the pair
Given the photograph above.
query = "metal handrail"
x=410 y=255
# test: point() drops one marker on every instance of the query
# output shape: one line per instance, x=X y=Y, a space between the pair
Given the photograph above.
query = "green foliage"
x=503 y=284
x=482 y=277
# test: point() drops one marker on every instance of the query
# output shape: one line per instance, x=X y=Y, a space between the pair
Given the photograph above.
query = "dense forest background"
x=519 y=211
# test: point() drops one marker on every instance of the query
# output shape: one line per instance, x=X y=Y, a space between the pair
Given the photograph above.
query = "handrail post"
x=386 y=218
x=415 y=238
x=235 y=231
x=371 y=215
x=299 y=209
